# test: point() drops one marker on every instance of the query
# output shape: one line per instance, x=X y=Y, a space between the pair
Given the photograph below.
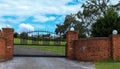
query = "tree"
x=71 y=21
x=83 y=20
x=93 y=9
x=16 y=35
x=104 y=26
x=24 y=35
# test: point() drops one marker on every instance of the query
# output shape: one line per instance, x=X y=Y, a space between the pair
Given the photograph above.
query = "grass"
x=108 y=64
x=53 y=48
x=17 y=41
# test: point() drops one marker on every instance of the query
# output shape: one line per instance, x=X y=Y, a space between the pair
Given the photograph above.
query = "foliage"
x=105 y=25
x=82 y=21
x=71 y=21
x=24 y=35
x=92 y=10
x=16 y=35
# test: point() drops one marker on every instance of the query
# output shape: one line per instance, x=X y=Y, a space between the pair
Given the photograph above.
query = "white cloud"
x=25 y=27
x=2 y=20
x=11 y=20
x=39 y=26
x=2 y=26
x=37 y=7
x=2 y=23
x=113 y=2
x=41 y=18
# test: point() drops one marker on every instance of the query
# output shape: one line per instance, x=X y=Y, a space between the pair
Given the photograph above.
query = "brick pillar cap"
x=8 y=28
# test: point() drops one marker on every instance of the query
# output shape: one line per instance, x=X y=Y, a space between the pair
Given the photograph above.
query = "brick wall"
x=116 y=47
x=8 y=34
x=2 y=48
x=6 y=43
x=92 y=49
x=70 y=47
x=0 y=33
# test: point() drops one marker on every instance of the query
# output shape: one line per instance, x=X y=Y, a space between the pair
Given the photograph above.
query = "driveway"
x=44 y=63
x=31 y=52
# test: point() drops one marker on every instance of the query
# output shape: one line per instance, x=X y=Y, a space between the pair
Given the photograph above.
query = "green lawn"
x=108 y=65
x=54 y=48
x=17 y=41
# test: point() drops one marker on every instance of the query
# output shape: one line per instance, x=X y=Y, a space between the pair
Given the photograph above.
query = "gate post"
x=8 y=34
x=2 y=49
x=115 y=46
x=71 y=35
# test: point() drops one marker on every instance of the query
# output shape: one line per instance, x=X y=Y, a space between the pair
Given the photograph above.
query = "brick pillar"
x=8 y=35
x=0 y=33
x=115 y=47
x=71 y=35
x=2 y=49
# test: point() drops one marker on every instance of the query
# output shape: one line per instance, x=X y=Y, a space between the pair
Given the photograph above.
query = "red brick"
x=2 y=49
x=8 y=34
x=95 y=48
x=71 y=36
x=6 y=39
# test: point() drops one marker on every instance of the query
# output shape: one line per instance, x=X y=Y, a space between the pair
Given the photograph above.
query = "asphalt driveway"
x=44 y=63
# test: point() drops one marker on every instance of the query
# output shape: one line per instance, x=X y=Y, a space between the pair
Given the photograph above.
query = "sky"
x=31 y=15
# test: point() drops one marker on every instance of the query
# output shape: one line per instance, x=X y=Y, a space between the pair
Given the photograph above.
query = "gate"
x=39 y=43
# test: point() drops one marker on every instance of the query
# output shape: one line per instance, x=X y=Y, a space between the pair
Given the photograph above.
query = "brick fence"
x=85 y=49
x=92 y=49
x=6 y=44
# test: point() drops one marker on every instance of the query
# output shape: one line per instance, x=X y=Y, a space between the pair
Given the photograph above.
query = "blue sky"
x=24 y=15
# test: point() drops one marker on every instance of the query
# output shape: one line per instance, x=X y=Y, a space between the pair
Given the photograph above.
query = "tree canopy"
x=16 y=35
x=24 y=35
x=94 y=12
x=104 y=26
x=71 y=21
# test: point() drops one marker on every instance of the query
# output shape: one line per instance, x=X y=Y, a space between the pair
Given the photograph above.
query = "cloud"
x=114 y=2
x=39 y=8
x=2 y=26
x=40 y=18
x=25 y=27
x=36 y=7
x=5 y=25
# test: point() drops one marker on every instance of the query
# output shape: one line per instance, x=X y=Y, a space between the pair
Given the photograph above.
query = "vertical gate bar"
x=50 y=42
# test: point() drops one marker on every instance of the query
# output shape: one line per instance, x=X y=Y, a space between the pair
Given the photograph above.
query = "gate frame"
x=47 y=32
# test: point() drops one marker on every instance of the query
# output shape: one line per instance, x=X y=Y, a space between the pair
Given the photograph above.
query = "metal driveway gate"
x=39 y=43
